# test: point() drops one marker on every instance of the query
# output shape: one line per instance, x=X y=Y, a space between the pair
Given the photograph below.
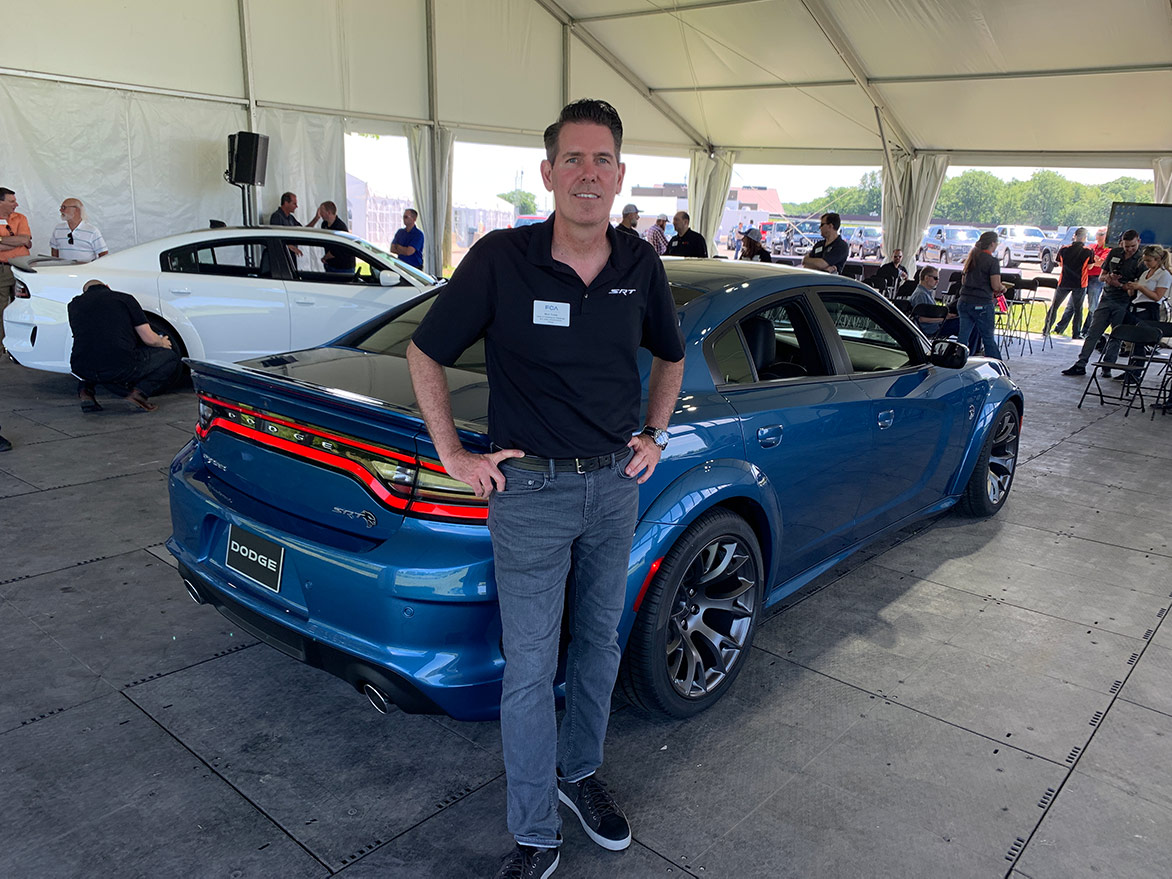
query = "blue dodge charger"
x=311 y=509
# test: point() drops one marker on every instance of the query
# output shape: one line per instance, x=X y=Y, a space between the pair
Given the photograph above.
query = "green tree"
x=970 y=198
x=524 y=202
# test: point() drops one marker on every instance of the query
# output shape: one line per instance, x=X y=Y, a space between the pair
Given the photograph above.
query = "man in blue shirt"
x=408 y=243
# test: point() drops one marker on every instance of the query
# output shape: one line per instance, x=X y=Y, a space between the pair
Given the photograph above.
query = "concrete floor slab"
x=1094 y=829
x=24 y=431
x=103 y=791
x=311 y=754
x=469 y=837
x=10 y=486
x=104 y=520
x=126 y=619
x=40 y=677
x=871 y=628
x=1150 y=684
x=1130 y=751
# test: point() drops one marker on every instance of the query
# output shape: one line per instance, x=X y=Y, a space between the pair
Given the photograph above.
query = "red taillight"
x=405 y=483
x=20 y=290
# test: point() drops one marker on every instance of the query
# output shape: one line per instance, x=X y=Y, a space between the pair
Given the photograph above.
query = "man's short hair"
x=587 y=110
x=4 y=193
x=1080 y=232
x=1129 y=235
x=833 y=219
x=330 y=206
x=414 y=213
x=684 y=214
x=287 y=197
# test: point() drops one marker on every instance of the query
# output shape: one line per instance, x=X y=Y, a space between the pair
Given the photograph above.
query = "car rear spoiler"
x=30 y=263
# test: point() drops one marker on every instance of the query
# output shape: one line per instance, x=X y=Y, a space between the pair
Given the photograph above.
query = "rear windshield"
x=393 y=336
x=962 y=234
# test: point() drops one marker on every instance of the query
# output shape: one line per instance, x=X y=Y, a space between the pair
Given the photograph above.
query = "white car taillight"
x=20 y=290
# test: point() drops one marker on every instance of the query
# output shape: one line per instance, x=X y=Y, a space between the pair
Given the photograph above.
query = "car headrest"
x=760 y=338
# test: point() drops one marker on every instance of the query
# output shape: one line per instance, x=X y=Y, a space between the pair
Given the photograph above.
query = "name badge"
x=551 y=314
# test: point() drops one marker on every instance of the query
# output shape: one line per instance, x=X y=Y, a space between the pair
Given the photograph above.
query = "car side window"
x=874 y=338
x=237 y=259
x=332 y=264
x=774 y=343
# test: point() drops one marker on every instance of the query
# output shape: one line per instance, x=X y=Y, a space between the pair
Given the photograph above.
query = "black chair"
x=904 y=305
x=1163 y=358
x=937 y=314
x=906 y=289
x=1145 y=338
x=853 y=271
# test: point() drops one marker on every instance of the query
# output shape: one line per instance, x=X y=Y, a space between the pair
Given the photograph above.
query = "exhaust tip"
x=377 y=698
x=193 y=592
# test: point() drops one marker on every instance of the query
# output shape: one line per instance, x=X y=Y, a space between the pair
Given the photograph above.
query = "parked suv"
x=866 y=241
x=1017 y=243
x=947 y=244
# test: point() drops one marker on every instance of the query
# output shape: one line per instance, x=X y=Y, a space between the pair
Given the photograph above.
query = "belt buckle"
x=578 y=467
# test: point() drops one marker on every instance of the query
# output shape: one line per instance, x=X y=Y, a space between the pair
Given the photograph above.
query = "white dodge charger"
x=221 y=294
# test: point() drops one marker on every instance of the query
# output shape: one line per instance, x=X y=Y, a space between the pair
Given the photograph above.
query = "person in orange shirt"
x=15 y=239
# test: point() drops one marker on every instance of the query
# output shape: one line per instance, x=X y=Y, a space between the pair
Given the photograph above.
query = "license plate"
x=255 y=557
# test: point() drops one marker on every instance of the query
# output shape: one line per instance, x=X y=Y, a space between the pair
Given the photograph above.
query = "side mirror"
x=949 y=355
x=388 y=278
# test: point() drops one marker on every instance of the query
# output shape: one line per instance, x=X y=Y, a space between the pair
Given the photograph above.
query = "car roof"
x=742 y=280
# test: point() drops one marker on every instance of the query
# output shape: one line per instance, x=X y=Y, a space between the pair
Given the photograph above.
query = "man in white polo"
x=75 y=237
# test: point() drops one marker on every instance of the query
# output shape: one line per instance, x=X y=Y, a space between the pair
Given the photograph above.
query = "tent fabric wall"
x=144 y=165
x=1162 y=167
x=434 y=179
x=708 y=179
x=307 y=156
x=911 y=185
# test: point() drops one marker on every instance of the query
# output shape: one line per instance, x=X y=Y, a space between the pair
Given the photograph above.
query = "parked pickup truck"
x=1018 y=243
x=1048 y=250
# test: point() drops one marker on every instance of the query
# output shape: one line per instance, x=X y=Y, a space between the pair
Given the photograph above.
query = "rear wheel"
x=697 y=621
x=993 y=475
x=1007 y=259
x=162 y=328
x=1047 y=261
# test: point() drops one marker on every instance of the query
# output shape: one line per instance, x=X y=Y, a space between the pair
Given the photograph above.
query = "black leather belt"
x=570 y=465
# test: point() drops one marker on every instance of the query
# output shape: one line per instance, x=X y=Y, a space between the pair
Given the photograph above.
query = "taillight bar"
x=20 y=290
x=395 y=479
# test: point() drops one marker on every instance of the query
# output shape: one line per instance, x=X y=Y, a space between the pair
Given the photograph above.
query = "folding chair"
x=931 y=312
x=1052 y=283
x=904 y=305
x=906 y=289
x=1133 y=371
x=1021 y=307
x=1162 y=357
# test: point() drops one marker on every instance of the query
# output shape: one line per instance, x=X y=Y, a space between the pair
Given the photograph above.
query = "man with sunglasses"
x=75 y=237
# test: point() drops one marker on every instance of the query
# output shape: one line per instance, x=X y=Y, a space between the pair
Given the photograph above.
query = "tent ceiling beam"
x=591 y=42
x=826 y=23
x=640 y=13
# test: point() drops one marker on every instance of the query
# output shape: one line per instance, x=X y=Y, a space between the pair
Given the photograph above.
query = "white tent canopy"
x=128 y=106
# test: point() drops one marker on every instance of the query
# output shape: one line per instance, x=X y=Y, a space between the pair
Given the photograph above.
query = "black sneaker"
x=527 y=862
x=601 y=818
x=1107 y=373
x=5 y=445
x=1075 y=370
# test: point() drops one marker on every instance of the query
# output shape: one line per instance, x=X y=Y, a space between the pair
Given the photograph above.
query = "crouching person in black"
x=113 y=344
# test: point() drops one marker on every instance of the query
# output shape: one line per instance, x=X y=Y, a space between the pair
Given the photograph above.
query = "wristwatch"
x=659 y=437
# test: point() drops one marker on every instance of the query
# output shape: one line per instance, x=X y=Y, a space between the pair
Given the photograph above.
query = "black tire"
x=1047 y=261
x=183 y=374
x=993 y=475
x=1007 y=259
x=673 y=664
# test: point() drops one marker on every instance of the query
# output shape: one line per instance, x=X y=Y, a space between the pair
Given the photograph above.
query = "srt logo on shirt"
x=622 y=291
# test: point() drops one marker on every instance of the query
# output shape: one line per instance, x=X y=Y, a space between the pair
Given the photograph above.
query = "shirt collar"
x=540 y=250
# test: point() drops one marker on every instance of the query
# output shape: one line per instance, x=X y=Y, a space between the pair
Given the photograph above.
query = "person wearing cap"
x=751 y=247
x=686 y=241
x=655 y=236
x=629 y=221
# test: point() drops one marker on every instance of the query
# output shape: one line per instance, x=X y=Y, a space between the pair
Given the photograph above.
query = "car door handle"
x=770 y=436
x=304 y=301
x=181 y=291
x=886 y=418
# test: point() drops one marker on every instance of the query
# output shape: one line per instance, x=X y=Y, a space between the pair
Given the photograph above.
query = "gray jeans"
x=1112 y=312
x=548 y=530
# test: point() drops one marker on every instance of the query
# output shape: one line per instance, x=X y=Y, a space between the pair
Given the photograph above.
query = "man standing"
x=335 y=259
x=1076 y=259
x=829 y=254
x=408 y=242
x=283 y=216
x=1095 y=276
x=890 y=275
x=655 y=236
x=629 y=221
x=15 y=240
x=687 y=241
x=738 y=241
x=1122 y=265
x=113 y=343
x=563 y=307
x=75 y=237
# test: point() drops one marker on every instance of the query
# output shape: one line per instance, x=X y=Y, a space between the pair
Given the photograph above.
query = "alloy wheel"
x=1002 y=456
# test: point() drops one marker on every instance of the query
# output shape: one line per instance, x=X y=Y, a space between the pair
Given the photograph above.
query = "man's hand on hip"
x=646 y=457
x=479 y=471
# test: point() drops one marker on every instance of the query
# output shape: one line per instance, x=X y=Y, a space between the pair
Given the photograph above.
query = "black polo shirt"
x=280 y=218
x=104 y=338
x=1128 y=269
x=836 y=254
x=1075 y=259
x=560 y=356
x=691 y=243
x=341 y=258
x=628 y=230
